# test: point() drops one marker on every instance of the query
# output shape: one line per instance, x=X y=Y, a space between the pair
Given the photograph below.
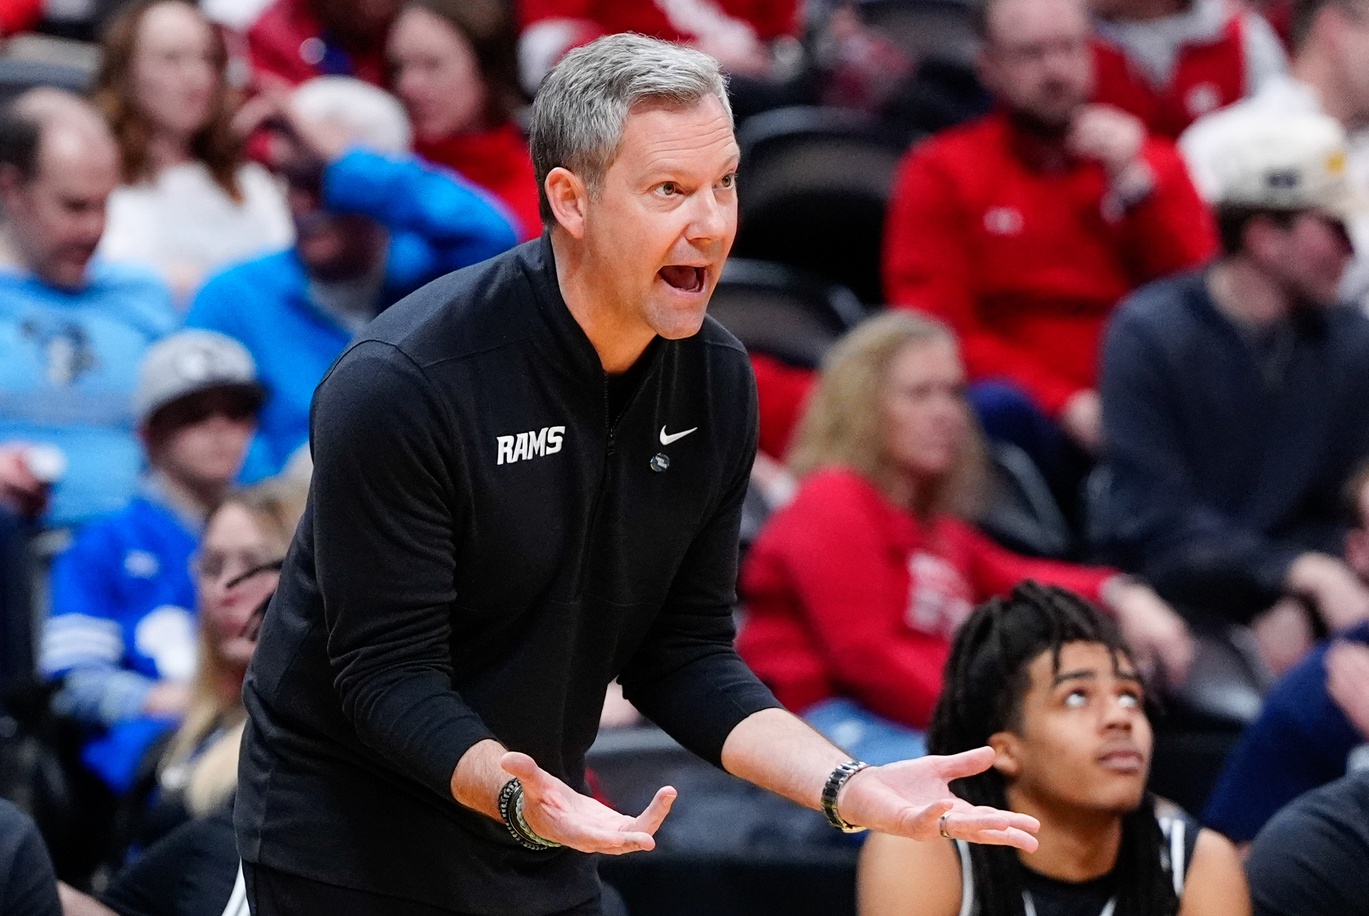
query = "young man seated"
x=1047 y=681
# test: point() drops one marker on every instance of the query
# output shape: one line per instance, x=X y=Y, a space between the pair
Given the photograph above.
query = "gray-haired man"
x=528 y=481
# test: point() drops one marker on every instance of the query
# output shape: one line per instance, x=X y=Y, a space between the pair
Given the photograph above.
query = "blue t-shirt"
x=438 y=223
x=68 y=369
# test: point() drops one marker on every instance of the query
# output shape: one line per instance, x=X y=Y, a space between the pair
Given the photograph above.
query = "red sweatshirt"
x=287 y=43
x=1023 y=258
x=19 y=16
x=1207 y=76
x=849 y=595
x=671 y=20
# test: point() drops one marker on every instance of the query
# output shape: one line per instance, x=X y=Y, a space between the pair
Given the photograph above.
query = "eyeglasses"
x=211 y=566
x=252 y=627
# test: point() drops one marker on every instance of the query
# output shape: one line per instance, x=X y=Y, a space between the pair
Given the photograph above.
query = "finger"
x=519 y=764
x=1009 y=837
x=619 y=844
x=966 y=763
x=649 y=821
x=924 y=822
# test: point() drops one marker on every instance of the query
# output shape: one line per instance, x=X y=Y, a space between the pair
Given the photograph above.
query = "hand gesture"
x=908 y=799
x=558 y=813
x=1347 y=681
x=1082 y=420
x=1109 y=136
x=1340 y=598
x=20 y=488
x=1156 y=633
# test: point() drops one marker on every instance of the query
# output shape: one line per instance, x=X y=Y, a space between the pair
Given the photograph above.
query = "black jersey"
x=494 y=533
x=1045 y=896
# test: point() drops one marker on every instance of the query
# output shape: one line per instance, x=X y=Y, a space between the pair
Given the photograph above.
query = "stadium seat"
x=814 y=189
x=783 y=311
x=18 y=75
x=940 y=30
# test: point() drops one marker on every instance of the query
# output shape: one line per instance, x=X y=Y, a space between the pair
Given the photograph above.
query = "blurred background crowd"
x=1068 y=290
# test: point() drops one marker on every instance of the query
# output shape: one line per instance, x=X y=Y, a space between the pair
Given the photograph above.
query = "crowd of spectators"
x=1139 y=268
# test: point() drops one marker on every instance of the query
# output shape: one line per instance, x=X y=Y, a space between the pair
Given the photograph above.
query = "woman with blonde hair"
x=190 y=202
x=854 y=590
x=235 y=571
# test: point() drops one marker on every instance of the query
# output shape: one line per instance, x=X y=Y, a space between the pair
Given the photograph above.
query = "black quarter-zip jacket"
x=485 y=548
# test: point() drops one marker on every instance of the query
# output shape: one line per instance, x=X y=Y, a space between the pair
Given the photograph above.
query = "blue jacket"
x=1300 y=740
x=68 y=368
x=438 y=223
x=122 y=619
x=123 y=612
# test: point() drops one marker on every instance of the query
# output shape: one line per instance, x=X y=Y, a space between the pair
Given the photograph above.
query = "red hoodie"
x=849 y=595
x=1020 y=254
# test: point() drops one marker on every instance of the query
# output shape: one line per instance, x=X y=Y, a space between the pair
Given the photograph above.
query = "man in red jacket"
x=1024 y=228
x=1170 y=62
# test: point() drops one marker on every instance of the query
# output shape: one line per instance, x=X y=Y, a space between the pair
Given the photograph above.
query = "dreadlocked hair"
x=985 y=681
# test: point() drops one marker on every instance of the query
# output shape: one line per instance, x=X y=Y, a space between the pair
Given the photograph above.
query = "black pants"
x=275 y=893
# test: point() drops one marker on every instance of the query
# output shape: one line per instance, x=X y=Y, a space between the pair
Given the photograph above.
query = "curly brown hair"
x=216 y=144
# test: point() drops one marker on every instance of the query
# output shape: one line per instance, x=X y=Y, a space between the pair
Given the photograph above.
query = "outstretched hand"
x=908 y=799
x=557 y=812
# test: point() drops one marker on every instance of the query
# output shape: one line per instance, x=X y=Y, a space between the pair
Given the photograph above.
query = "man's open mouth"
x=683 y=277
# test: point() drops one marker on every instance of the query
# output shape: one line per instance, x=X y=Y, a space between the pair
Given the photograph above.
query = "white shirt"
x=185 y=226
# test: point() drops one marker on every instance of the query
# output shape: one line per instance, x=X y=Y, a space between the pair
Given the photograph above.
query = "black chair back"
x=783 y=312
x=814 y=189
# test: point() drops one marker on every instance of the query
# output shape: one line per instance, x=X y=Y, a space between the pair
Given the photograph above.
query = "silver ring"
x=942 y=822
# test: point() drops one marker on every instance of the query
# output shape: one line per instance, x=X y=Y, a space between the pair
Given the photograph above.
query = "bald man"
x=72 y=331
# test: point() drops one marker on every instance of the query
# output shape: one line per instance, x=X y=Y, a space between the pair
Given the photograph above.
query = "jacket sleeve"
x=83 y=642
x=383 y=498
x=1155 y=518
x=686 y=676
x=928 y=266
x=1171 y=230
x=460 y=223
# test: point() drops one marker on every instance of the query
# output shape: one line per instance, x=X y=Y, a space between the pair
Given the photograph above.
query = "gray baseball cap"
x=190 y=362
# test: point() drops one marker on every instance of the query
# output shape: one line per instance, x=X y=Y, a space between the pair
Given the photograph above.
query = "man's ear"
x=569 y=199
x=1009 y=761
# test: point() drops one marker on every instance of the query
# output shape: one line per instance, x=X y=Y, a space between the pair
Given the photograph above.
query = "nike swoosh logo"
x=667 y=438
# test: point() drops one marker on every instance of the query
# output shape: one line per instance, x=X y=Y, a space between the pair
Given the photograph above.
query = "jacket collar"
x=558 y=336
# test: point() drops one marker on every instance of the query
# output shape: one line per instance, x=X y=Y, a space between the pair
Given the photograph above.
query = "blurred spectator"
x=1313 y=726
x=72 y=330
x=190 y=202
x=235 y=570
x=1329 y=74
x=1309 y=860
x=1047 y=682
x=453 y=66
x=1234 y=401
x=756 y=41
x=121 y=637
x=854 y=590
x=190 y=870
x=373 y=223
x=19 y=16
x=1023 y=229
x=296 y=40
x=28 y=884
x=1172 y=61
